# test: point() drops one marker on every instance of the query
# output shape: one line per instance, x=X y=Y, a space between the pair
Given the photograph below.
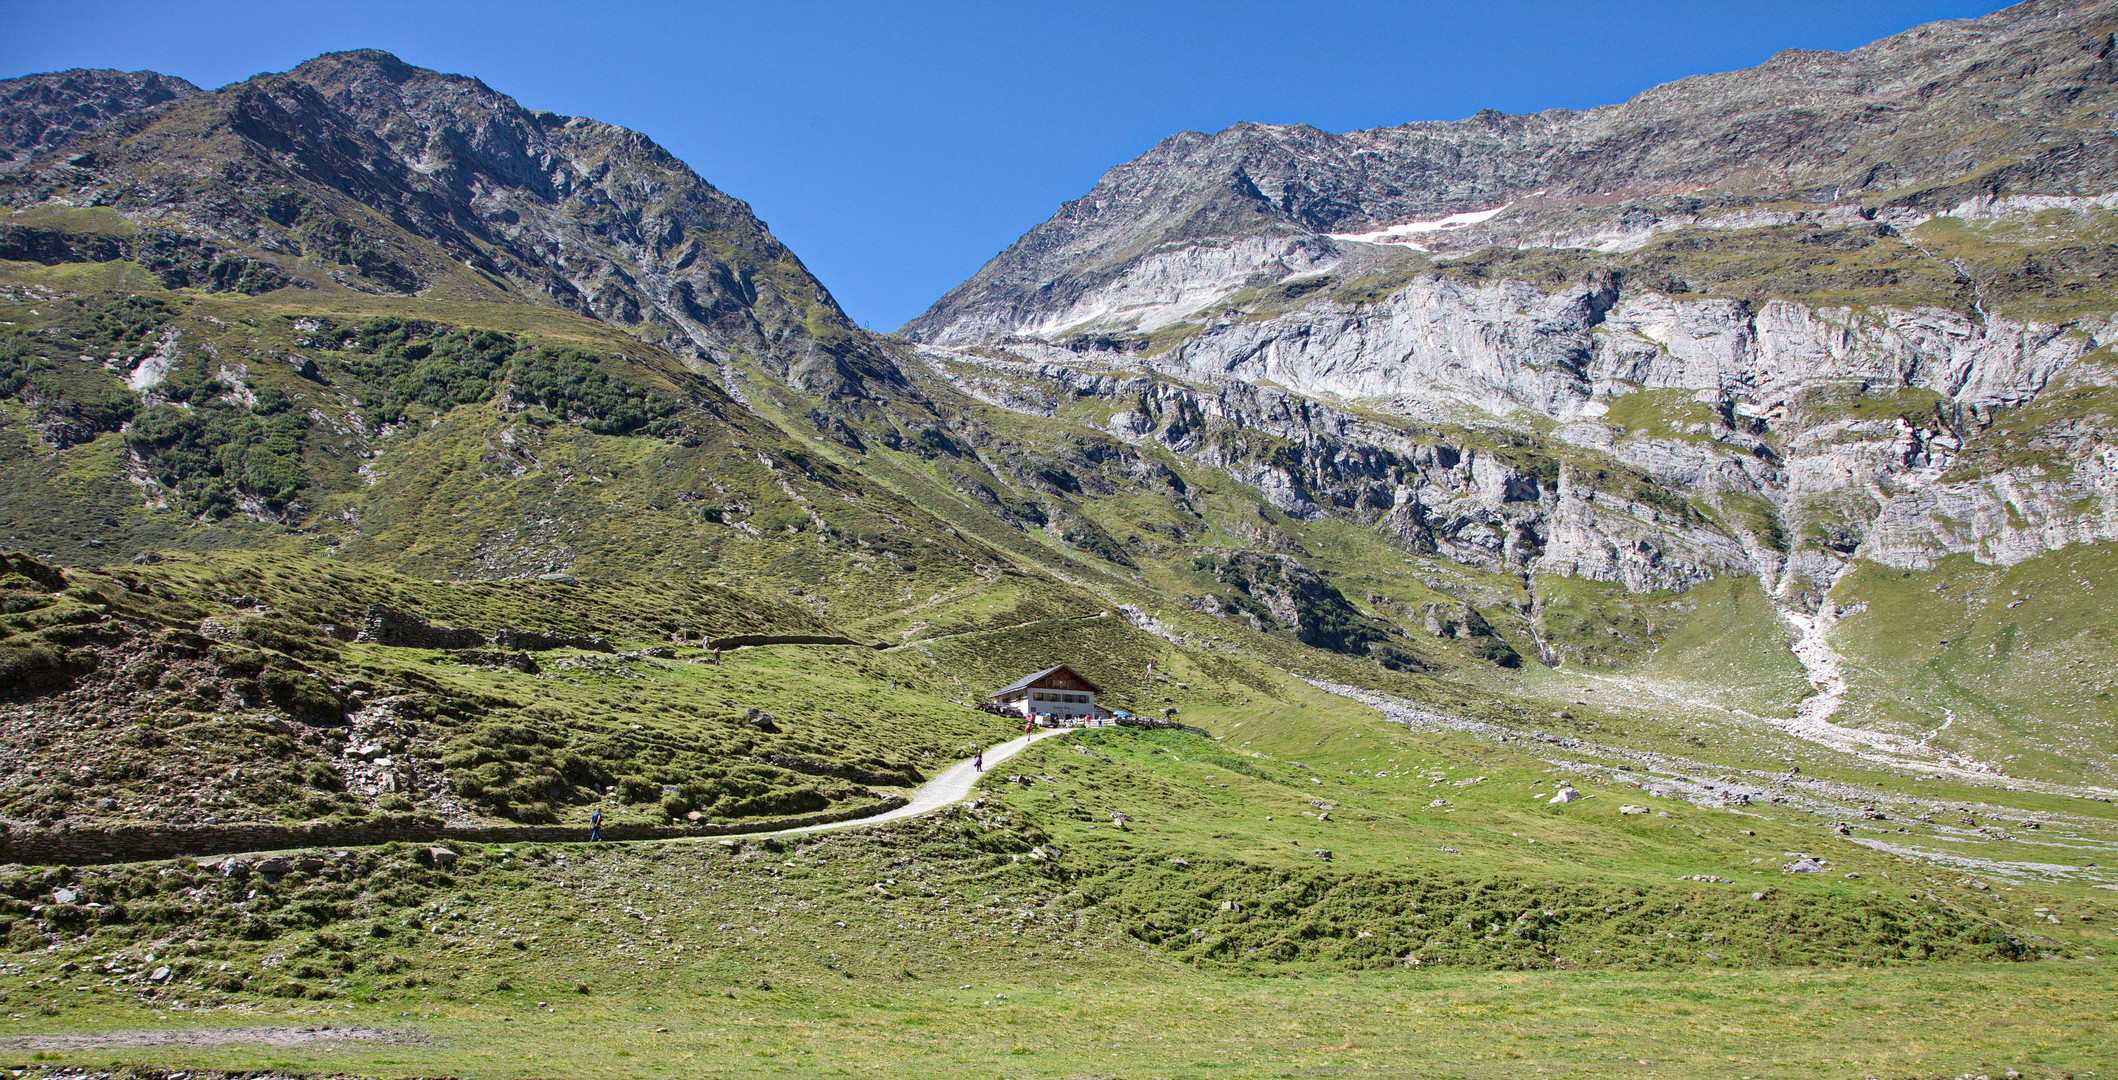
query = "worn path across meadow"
x=950 y=786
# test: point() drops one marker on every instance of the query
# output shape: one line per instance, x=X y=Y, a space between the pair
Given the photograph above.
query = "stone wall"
x=136 y=843
x=744 y=641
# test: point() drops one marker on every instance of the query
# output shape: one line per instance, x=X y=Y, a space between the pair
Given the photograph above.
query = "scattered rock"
x=235 y=868
x=274 y=867
x=1322 y=853
x=1629 y=808
x=64 y=896
x=1804 y=865
x=1566 y=795
x=1708 y=878
x=1174 y=861
x=439 y=857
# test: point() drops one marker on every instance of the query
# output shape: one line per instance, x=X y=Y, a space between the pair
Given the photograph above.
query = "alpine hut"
x=1058 y=692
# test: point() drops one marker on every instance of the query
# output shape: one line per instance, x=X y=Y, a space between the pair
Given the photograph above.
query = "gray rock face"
x=1895 y=115
x=1234 y=296
x=40 y=114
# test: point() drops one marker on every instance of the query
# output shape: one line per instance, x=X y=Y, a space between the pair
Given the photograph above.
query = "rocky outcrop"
x=1276 y=592
x=389 y=626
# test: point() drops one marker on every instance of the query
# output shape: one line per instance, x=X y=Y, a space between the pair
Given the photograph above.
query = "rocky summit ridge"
x=2013 y=103
x=391 y=179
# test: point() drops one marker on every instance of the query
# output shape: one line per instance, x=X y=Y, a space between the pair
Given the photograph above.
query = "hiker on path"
x=1029 y=726
x=716 y=656
x=978 y=762
x=595 y=826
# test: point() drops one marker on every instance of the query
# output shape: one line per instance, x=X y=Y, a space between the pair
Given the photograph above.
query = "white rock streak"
x=1812 y=716
x=1397 y=234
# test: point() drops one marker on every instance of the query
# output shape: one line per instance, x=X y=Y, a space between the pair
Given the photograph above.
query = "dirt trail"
x=951 y=785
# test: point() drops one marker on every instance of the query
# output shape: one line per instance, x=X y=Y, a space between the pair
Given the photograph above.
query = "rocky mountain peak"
x=41 y=113
x=1910 y=118
x=411 y=181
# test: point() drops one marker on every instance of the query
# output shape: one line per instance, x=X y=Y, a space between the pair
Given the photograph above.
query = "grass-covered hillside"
x=256 y=687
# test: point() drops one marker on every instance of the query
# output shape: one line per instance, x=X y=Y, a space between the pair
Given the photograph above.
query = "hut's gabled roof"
x=1026 y=680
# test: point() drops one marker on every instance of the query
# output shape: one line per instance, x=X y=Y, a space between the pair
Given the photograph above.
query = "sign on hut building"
x=1055 y=691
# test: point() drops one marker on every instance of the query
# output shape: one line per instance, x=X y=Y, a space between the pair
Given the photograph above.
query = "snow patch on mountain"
x=1400 y=234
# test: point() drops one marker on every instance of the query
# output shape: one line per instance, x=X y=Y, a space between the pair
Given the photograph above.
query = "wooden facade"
x=1058 y=692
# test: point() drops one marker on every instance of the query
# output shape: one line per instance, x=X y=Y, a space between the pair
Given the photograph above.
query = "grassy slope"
x=940 y=945
x=2017 y=656
x=219 y=653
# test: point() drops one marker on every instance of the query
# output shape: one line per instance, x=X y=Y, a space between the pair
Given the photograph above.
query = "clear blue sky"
x=896 y=146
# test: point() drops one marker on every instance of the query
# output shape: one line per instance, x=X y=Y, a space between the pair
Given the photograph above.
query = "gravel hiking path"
x=952 y=785
x=261 y=1036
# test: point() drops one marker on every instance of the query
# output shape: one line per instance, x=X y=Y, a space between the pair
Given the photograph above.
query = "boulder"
x=389 y=626
x=274 y=867
x=64 y=896
x=235 y=868
x=1629 y=808
x=1566 y=795
x=1804 y=865
x=1322 y=853
x=440 y=858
